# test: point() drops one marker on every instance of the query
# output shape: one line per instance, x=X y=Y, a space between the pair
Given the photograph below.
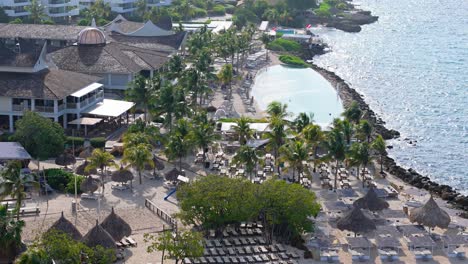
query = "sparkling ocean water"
x=412 y=68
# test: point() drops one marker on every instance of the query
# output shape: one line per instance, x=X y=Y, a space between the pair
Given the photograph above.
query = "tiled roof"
x=47 y=84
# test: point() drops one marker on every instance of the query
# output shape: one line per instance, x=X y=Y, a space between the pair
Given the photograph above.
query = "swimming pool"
x=286 y=31
x=304 y=90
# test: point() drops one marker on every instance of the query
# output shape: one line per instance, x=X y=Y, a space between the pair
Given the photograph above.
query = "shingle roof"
x=26 y=58
x=36 y=31
x=163 y=43
x=111 y=58
x=47 y=84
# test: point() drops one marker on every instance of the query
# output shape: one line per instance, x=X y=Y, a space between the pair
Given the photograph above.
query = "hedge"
x=285 y=44
x=230 y=9
x=98 y=142
x=60 y=180
x=198 y=12
x=292 y=60
x=6 y=137
x=71 y=185
x=218 y=10
x=78 y=141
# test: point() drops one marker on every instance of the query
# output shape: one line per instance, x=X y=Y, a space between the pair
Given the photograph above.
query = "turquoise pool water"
x=286 y=31
x=304 y=90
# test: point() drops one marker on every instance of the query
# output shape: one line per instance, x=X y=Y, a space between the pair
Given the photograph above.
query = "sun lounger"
x=213 y=252
x=280 y=248
x=237 y=242
x=226 y=259
x=293 y=255
x=132 y=242
x=227 y=243
x=248 y=250
x=263 y=249
x=230 y=251
x=251 y=241
x=187 y=261
x=219 y=260
x=256 y=250
x=203 y=260
x=27 y=210
x=250 y=259
x=264 y=258
x=283 y=256
x=217 y=243
x=240 y=251
x=124 y=243
x=257 y=258
x=234 y=260
x=209 y=243
x=242 y=260
x=206 y=252
x=196 y=261
x=119 y=187
x=244 y=241
x=211 y=260
x=89 y=196
x=261 y=241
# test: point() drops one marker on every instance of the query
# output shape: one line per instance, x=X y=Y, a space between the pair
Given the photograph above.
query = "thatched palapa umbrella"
x=98 y=236
x=116 y=226
x=81 y=170
x=89 y=185
x=355 y=221
x=173 y=174
x=63 y=225
x=158 y=165
x=430 y=215
x=371 y=202
x=122 y=175
x=65 y=159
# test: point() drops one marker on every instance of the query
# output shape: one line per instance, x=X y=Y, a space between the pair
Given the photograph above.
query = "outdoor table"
x=240 y=172
x=260 y=173
x=223 y=171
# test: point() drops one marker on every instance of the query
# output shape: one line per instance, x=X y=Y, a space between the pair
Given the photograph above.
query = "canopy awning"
x=263 y=26
x=13 y=151
x=110 y=108
x=87 y=89
x=85 y=121
x=183 y=179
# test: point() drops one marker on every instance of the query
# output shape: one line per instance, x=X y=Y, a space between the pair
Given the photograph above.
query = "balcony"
x=61 y=107
x=72 y=106
x=20 y=108
x=44 y=109
x=13 y=13
x=14 y=3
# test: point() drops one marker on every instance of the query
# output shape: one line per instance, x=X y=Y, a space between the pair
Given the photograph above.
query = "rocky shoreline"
x=348 y=95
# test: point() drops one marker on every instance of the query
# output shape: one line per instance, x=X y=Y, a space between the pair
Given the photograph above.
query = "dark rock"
x=448 y=196
x=462 y=200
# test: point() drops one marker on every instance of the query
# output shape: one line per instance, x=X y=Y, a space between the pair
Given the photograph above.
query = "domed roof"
x=91 y=36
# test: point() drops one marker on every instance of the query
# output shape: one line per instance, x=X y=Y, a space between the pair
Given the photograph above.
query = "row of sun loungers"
x=271 y=259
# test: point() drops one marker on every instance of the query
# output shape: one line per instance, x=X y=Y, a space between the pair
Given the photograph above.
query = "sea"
x=412 y=69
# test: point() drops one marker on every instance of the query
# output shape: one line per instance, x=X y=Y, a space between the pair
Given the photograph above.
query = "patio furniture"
x=453 y=245
x=359 y=247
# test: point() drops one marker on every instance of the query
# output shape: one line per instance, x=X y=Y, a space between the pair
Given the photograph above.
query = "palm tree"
x=10 y=230
x=295 y=152
x=177 y=148
x=243 y=130
x=276 y=137
x=226 y=76
x=359 y=155
x=348 y=130
x=171 y=102
x=314 y=136
x=266 y=40
x=302 y=120
x=13 y=183
x=272 y=15
x=379 y=146
x=139 y=93
x=134 y=139
x=141 y=8
x=100 y=159
x=203 y=135
x=138 y=156
x=336 y=146
x=247 y=156
x=353 y=113
x=100 y=9
x=365 y=130
x=277 y=109
x=175 y=67
x=36 y=11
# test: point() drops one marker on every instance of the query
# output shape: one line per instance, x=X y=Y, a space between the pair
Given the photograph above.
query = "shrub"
x=78 y=141
x=218 y=10
x=58 y=178
x=98 y=142
x=292 y=60
x=6 y=137
x=230 y=9
x=70 y=188
x=198 y=12
x=285 y=44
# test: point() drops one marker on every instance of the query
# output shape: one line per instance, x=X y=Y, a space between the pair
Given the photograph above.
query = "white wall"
x=5 y=105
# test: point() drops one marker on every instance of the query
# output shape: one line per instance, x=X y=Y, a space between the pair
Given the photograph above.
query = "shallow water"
x=304 y=90
x=412 y=68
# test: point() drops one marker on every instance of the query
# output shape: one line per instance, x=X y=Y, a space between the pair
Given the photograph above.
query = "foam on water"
x=412 y=67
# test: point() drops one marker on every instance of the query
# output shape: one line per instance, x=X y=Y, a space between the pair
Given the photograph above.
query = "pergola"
x=85 y=121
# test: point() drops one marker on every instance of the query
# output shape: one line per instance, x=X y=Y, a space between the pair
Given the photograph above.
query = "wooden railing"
x=161 y=214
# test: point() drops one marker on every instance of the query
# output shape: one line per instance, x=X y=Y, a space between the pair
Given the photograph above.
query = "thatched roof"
x=116 y=226
x=86 y=153
x=430 y=215
x=65 y=159
x=98 y=236
x=371 y=202
x=122 y=175
x=62 y=224
x=355 y=221
x=89 y=185
x=158 y=164
x=173 y=174
x=81 y=169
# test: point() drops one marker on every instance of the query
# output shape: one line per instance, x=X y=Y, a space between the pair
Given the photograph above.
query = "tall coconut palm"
x=177 y=148
x=302 y=120
x=248 y=157
x=175 y=67
x=170 y=102
x=314 y=136
x=13 y=183
x=266 y=40
x=353 y=113
x=138 y=93
x=243 y=130
x=278 y=109
x=336 y=146
x=36 y=11
x=203 y=135
x=138 y=156
x=365 y=130
x=100 y=159
x=226 y=75
x=276 y=137
x=294 y=153
x=348 y=130
x=134 y=139
x=379 y=146
x=141 y=7
x=359 y=155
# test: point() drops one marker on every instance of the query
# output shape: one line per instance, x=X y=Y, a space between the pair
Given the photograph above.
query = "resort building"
x=64 y=9
x=61 y=72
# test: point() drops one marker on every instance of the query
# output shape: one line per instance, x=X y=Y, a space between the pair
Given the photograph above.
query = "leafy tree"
x=10 y=234
x=138 y=156
x=185 y=244
x=353 y=113
x=365 y=130
x=36 y=11
x=13 y=183
x=379 y=146
x=61 y=248
x=40 y=136
x=213 y=201
x=100 y=159
x=225 y=75
x=242 y=16
x=247 y=156
x=301 y=4
x=3 y=16
x=295 y=152
x=277 y=109
x=242 y=129
x=336 y=146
